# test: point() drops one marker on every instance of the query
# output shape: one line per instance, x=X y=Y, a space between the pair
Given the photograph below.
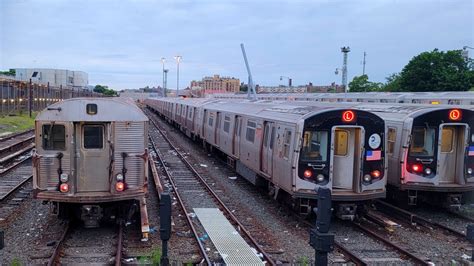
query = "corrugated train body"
x=91 y=159
x=291 y=149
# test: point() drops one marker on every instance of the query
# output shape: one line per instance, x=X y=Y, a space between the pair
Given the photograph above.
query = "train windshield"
x=54 y=137
x=423 y=142
x=315 y=144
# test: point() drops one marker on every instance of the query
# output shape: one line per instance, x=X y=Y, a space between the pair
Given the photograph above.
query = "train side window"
x=93 y=137
x=286 y=144
x=341 y=141
x=190 y=113
x=54 y=137
x=272 y=138
x=315 y=145
x=226 y=124
x=447 y=140
x=250 y=134
x=392 y=135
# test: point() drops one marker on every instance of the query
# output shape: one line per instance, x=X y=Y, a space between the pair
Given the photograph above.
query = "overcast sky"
x=120 y=43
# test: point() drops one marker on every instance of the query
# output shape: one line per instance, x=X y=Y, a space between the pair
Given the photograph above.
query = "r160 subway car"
x=430 y=150
x=292 y=149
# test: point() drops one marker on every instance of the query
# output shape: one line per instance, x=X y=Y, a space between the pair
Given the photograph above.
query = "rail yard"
x=227 y=208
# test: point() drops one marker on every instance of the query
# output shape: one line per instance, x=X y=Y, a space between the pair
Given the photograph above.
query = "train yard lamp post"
x=178 y=59
x=289 y=80
x=163 y=60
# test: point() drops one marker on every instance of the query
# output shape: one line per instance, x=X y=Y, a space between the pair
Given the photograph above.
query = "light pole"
x=163 y=60
x=289 y=80
x=178 y=59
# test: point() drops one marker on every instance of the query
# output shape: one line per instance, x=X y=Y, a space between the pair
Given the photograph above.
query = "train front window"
x=54 y=137
x=423 y=142
x=315 y=145
x=93 y=137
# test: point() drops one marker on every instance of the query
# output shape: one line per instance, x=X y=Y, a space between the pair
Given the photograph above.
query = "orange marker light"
x=455 y=114
x=376 y=173
x=348 y=116
x=119 y=186
x=64 y=188
x=307 y=173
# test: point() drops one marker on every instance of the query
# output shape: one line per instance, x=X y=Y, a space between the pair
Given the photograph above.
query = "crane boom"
x=251 y=89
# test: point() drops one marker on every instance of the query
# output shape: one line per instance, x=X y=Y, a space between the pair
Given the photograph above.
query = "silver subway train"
x=91 y=160
x=290 y=149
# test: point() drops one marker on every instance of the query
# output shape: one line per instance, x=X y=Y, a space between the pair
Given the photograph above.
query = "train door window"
x=54 y=137
x=341 y=142
x=392 y=135
x=93 y=137
x=265 y=135
x=286 y=144
x=315 y=144
x=211 y=120
x=226 y=123
x=272 y=138
x=423 y=140
x=190 y=113
x=251 y=128
x=447 y=140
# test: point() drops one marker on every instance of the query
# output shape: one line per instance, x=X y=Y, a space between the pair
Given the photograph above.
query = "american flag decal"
x=471 y=151
x=375 y=155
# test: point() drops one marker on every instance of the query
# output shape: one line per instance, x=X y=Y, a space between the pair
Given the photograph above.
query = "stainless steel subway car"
x=291 y=149
x=430 y=151
x=91 y=159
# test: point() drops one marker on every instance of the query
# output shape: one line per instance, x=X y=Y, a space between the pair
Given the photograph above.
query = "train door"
x=217 y=130
x=346 y=143
x=236 y=137
x=266 y=164
x=93 y=161
x=451 y=149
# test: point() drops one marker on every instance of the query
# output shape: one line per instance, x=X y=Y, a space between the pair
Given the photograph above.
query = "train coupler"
x=412 y=197
x=91 y=215
x=346 y=211
x=453 y=201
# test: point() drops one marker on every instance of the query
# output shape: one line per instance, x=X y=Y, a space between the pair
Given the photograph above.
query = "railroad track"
x=78 y=245
x=192 y=191
x=12 y=189
x=15 y=149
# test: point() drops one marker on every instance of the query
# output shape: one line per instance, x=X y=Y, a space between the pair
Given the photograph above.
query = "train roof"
x=108 y=109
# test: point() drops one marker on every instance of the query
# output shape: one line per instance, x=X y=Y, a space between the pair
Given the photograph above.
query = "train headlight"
x=320 y=178
x=119 y=177
x=376 y=174
x=469 y=171
x=64 y=187
x=64 y=177
x=119 y=186
x=428 y=171
x=367 y=178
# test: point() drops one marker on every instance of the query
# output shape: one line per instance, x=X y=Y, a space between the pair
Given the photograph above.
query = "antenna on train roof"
x=251 y=95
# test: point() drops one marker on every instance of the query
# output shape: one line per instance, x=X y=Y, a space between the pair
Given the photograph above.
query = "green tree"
x=393 y=83
x=362 y=84
x=437 y=71
x=105 y=90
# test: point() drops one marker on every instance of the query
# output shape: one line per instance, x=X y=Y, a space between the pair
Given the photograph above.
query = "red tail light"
x=417 y=168
x=308 y=173
x=376 y=174
x=64 y=188
x=119 y=186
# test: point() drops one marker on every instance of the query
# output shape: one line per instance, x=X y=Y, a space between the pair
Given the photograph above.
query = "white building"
x=55 y=77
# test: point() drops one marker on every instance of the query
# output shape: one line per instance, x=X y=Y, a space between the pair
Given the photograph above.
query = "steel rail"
x=118 y=254
x=14 y=165
x=55 y=256
x=400 y=249
x=14 y=135
x=15 y=188
x=412 y=217
x=216 y=197
x=202 y=250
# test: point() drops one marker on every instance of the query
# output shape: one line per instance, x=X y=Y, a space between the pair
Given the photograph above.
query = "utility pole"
x=345 y=51
x=165 y=79
x=363 y=63
x=30 y=98
x=251 y=88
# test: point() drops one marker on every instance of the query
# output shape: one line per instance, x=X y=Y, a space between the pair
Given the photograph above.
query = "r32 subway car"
x=430 y=151
x=293 y=150
x=91 y=160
